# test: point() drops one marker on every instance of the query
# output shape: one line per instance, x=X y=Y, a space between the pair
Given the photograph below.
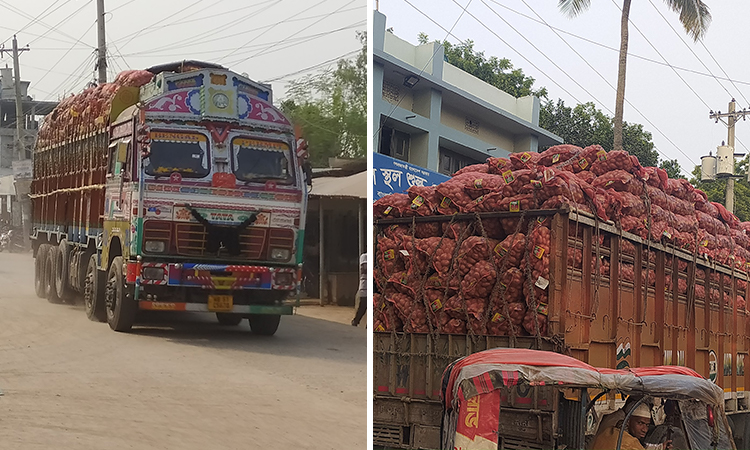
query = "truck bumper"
x=284 y=310
x=229 y=277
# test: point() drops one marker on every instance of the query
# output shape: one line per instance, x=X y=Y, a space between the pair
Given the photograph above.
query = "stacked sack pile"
x=491 y=276
x=88 y=111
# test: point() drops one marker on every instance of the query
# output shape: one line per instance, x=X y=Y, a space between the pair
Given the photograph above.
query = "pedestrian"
x=361 y=300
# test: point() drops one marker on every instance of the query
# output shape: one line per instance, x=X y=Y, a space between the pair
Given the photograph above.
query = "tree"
x=498 y=72
x=716 y=190
x=672 y=167
x=584 y=125
x=331 y=109
x=694 y=17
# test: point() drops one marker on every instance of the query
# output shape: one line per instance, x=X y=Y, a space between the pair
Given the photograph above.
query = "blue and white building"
x=442 y=118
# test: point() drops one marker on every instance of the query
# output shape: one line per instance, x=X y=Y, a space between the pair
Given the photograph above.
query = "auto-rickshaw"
x=528 y=399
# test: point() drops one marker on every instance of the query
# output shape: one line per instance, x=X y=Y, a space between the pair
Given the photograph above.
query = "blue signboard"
x=395 y=176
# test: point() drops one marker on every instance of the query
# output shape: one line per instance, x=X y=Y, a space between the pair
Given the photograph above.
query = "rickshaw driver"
x=637 y=427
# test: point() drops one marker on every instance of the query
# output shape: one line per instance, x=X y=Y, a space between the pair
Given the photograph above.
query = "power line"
x=437 y=47
x=303 y=41
x=603 y=78
x=293 y=34
x=63 y=57
x=599 y=44
x=691 y=50
x=313 y=67
x=678 y=75
x=35 y=19
x=201 y=39
x=137 y=33
x=542 y=53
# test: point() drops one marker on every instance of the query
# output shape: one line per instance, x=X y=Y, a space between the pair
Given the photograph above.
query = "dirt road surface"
x=177 y=382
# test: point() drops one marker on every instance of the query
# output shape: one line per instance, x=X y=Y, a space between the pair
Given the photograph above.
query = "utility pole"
x=102 y=42
x=22 y=183
x=731 y=117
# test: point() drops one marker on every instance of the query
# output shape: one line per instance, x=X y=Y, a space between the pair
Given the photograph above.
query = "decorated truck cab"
x=183 y=189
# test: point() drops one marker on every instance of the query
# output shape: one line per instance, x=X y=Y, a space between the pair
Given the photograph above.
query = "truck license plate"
x=221 y=303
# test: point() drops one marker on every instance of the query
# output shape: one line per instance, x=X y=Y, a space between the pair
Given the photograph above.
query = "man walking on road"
x=361 y=302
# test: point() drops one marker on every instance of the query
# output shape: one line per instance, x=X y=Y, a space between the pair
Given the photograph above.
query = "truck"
x=176 y=188
x=607 y=292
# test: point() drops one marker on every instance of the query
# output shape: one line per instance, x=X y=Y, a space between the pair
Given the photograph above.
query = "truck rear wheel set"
x=93 y=292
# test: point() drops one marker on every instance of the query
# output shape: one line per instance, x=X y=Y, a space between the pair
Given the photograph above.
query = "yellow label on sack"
x=445 y=202
x=418 y=201
x=497 y=318
x=380 y=328
x=542 y=309
x=609 y=182
x=388 y=210
x=500 y=250
x=555 y=157
x=478 y=183
x=538 y=252
x=508 y=176
x=515 y=206
x=389 y=254
x=478 y=200
x=601 y=155
x=537 y=184
x=436 y=305
x=667 y=234
x=525 y=156
x=583 y=163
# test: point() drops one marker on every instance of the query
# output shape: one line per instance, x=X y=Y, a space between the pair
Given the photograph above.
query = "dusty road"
x=180 y=382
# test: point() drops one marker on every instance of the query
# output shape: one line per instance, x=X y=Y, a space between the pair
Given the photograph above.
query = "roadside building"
x=9 y=155
x=434 y=115
x=335 y=232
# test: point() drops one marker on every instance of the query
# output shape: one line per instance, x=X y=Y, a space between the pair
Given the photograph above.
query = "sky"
x=672 y=83
x=271 y=40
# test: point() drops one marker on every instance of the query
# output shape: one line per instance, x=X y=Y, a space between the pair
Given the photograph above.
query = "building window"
x=471 y=126
x=451 y=162
x=391 y=92
x=394 y=143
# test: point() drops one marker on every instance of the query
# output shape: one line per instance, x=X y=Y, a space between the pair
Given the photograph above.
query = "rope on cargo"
x=498 y=289
x=430 y=260
x=532 y=295
x=69 y=190
x=647 y=202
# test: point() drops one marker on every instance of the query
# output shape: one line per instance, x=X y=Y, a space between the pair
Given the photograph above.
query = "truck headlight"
x=280 y=254
x=154 y=246
x=152 y=273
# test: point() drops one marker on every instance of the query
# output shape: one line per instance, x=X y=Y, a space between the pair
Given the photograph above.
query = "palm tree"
x=694 y=16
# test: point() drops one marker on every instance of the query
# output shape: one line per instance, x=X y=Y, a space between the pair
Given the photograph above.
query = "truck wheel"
x=39 y=270
x=93 y=292
x=61 y=271
x=264 y=324
x=49 y=278
x=120 y=305
x=228 y=319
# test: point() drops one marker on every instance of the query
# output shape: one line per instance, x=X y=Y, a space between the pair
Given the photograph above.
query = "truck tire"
x=228 y=319
x=93 y=292
x=39 y=270
x=62 y=266
x=120 y=306
x=264 y=324
x=49 y=278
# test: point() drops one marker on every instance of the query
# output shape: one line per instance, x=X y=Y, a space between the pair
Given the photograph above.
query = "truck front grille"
x=191 y=241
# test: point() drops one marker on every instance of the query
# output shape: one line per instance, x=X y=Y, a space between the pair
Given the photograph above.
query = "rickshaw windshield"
x=695 y=421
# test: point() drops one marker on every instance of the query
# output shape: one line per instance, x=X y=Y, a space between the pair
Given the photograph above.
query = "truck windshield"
x=256 y=160
x=186 y=153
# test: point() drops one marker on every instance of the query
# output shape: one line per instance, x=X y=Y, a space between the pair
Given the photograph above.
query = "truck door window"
x=186 y=153
x=257 y=160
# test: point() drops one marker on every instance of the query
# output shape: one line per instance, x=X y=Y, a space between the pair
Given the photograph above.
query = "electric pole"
x=732 y=117
x=22 y=183
x=102 y=42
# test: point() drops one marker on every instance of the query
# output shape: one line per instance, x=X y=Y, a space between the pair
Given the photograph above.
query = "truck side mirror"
x=307 y=168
